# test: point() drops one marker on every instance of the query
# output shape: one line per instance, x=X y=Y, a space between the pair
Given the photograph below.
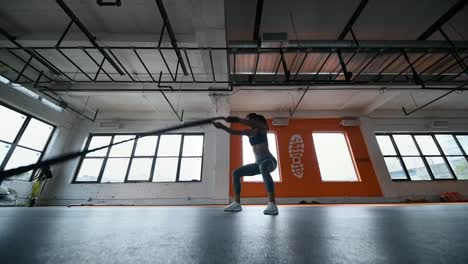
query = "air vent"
x=275 y=37
x=439 y=124
x=110 y=124
x=349 y=122
x=280 y=121
x=274 y=40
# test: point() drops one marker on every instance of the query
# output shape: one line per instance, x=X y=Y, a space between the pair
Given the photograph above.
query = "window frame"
x=132 y=156
x=18 y=137
x=423 y=156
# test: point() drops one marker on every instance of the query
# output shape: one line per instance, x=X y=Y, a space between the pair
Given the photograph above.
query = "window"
x=334 y=157
x=23 y=140
x=248 y=157
x=420 y=157
x=164 y=158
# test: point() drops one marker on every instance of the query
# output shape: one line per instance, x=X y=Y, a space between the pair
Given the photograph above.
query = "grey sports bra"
x=260 y=138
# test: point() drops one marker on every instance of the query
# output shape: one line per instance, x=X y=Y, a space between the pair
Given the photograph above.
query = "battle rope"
x=72 y=155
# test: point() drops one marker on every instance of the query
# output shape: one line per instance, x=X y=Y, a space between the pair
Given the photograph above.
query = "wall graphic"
x=296 y=152
x=298 y=164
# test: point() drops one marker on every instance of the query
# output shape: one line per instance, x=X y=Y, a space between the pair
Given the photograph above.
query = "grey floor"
x=331 y=234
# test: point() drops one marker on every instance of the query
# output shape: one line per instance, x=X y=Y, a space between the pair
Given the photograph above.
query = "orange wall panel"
x=311 y=184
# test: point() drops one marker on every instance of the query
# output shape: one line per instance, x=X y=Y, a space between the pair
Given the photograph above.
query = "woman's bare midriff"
x=261 y=149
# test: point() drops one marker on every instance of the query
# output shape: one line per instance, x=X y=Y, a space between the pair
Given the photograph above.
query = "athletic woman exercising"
x=264 y=164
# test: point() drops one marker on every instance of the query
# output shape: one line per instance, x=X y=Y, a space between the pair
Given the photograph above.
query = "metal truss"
x=343 y=62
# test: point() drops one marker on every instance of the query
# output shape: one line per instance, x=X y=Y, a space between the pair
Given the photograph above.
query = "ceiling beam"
x=458 y=89
x=258 y=20
x=90 y=37
x=353 y=19
x=170 y=32
x=31 y=52
x=348 y=28
x=457 y=7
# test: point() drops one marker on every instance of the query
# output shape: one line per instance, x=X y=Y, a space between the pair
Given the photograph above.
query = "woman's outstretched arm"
x=231 y=131
x=251 y=123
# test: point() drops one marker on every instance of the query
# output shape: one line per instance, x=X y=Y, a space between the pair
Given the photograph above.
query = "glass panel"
x=21 y=157
x=140 y=169
x=36 y=135
x=386 y=146
x=460 y=166
x=463 y=139
x=116 y=169
x=4 y=147
x=427 y=145
x=12 y=122
x=165 y=170
x=146 y=146
x=193 y=146
x=395 y=168
x=249 y=157
x=448 y=145
x=89 y=170
x=416 y=168
x=332 y=149
x=439 y=168
x=169 y=145
x=124 y=149
x=190 y=169
x=405 y=145
x=96 y=142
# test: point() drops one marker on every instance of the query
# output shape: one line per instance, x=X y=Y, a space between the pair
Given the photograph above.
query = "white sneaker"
x=233 y=207
x=271 y=209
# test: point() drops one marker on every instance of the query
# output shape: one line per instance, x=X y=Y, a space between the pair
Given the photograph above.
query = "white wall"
x=394 y=190
x=62 y=120
x=213 y=189
x=72 y=133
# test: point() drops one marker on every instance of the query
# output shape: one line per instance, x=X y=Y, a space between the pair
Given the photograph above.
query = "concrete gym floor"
x=435 y=233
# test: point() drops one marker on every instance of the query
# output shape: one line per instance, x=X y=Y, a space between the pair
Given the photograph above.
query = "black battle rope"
x=72 y=155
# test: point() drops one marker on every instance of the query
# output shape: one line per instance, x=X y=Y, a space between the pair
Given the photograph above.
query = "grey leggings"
x=263 y=166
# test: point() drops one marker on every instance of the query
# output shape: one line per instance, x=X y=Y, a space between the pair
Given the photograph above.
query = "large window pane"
x=439 y=168
x=190 y=169
x=36 y=135
x=146 y=146
x=249 y=157
x=169 y=145
x=4 y=147
x=21 y=157
x=193 y=146
x=427 y=145
x=463 y=139
x=448 y=145
x=459 y=166
x=165 y=170
x=332 y=149
x=405 y=145
x=89 y=170
x=96 y=142
x=140 y=169
x=11 y=124
x=395 y=168
x=386 y=146
x=116 y=169
x=124 y=149
x=416 y=168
